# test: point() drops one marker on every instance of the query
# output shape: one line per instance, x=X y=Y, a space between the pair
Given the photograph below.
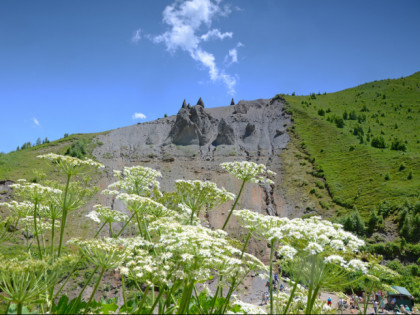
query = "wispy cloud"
x=139 y=116
x=136 y=36
x=215 y=33
x=232 y=56
x=36 y=122
x=184 y=20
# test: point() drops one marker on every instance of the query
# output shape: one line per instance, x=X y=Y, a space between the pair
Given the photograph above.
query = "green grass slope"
x=22 y=163
x=337 y=131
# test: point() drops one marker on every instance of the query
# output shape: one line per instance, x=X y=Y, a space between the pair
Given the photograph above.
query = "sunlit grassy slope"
x=22 y=163
x=356 y=173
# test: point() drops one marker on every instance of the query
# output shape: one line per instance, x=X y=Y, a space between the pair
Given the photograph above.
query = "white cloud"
x=136 y=36
x=36 y=122
x=139 y=116
x=215 y=33
x=184 y=19
x=232 y=56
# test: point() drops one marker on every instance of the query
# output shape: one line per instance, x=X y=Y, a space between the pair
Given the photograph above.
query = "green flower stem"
x=52 y=239
x=138 y=224
x=175 y=287
x=246 y=244
x=19 y=308
x=94 y=290
x=100 y=229
x=123 y=290
x=198 y=301
x=36 y=228
x=110 y=230
x=232 y=288
x=308 y=304
x=368 y=293
x=161 y=290
x=64 y=216
x=314 y=298
x=79 y=297
x=292 y=294
x=214 y=300
x=126 y=223
x=271 y=276
x=142 y=300
x=186 y=296
x=234 y=204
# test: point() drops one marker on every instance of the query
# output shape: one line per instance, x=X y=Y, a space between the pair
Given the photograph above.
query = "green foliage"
x=398 y=145
x=373 y=222
x=354 y=223
x=378 y=142
x=321 y=112
x=353 y=171
x=339 y=122
x=77 y=149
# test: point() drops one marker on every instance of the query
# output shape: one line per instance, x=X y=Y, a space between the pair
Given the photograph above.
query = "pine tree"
x=200 y=102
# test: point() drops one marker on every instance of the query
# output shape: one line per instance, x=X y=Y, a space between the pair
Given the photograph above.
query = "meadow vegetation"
x=364 y=143
x=161 y=250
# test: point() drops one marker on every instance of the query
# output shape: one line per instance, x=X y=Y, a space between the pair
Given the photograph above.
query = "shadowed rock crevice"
x=225 y=135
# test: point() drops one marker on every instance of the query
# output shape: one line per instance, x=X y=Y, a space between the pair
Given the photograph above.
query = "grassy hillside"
x=22 y=163
x=337 y=131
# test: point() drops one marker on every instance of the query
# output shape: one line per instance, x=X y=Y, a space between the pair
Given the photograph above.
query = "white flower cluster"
x=312 y=236
x=145 y=205
x=187 y=252
x=43 y=224
x=106 y=214
x=137 y=180
x=247 y=308
x=196 y=194
x=106 y=253
x=69 y=160
x=34 y=191
x=249 y=171
x=19 y=209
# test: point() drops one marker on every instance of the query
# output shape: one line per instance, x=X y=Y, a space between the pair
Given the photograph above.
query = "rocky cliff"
x=192 y=144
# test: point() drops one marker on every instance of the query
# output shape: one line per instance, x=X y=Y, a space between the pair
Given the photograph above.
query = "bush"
x=321 y=112
x=358 y=130
x=378 y=142
x=398 y=145
x=373 y=222
x=77 y=149
x=339 y=122
x=353 y=115
x=354 y=223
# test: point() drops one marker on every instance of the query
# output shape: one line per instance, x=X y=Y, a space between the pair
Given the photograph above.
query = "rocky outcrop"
x=225 y=135
x=5 y=189
x=192 y=126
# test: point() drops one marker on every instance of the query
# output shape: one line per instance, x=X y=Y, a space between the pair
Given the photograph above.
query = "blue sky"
x=89 y=66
